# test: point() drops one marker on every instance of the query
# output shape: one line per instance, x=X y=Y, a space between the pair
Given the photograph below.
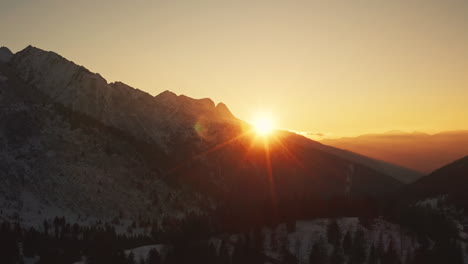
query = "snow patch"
x=142 y=252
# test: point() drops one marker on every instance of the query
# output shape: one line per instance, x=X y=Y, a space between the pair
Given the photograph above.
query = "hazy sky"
x=338 y=67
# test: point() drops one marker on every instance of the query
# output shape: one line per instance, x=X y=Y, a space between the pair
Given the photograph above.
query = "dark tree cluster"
x=352 y=248
x=434 y=225
x=62 y=242
x=10 y=236
x=188 y=241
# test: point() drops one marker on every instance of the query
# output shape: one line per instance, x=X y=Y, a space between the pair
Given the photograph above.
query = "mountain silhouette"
x=450 y=180
x=418 y=151
x=78 y=145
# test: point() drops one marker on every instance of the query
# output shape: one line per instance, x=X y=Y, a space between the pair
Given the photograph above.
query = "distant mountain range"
x=418 y=151
x=73 y=144
x=450 y=180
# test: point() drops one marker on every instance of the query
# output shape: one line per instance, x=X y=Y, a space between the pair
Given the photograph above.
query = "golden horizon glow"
x=333 y=67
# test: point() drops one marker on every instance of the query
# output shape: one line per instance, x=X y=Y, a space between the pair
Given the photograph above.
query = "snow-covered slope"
x=377 y=235
x=54 y=162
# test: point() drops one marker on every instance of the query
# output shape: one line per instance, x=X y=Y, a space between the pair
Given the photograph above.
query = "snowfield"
x=142 y=252
x=308 y=232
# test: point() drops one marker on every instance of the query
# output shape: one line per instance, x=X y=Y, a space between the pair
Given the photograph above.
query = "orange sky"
x=336 y=67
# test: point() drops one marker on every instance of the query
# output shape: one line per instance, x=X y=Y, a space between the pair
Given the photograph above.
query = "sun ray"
x=200 y=155
x=270 y=176
x=288 y=152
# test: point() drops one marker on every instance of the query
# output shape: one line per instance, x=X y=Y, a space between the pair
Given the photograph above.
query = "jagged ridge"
x=117 y=104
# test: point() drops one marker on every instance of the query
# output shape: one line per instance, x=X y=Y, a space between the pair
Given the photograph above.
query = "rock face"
x=5 y=55
x=55 y=162
x=153 y=119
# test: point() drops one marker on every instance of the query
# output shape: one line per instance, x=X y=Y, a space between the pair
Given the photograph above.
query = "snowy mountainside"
x=377 y=239
x=55 y=163
x=153 y=119
x=380 y=234
x=175 y=169
x=163 y=119
x=75 y=142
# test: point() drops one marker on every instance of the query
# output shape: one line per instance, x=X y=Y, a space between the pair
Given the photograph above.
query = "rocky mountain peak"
x=116 y=104
x=166 y=97
x=5 y=54
x=223 y=110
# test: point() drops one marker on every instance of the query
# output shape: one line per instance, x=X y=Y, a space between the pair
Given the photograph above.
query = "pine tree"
x=291 y=226
x=223 y=253
x=318 y=254
x=153 y=257
x=9 y=250
x=171 y=257
x=30 y=243
x=373 y=258
x=258 y=239
x=408 y=258
x=240 y=253
x=287 y=257
x=421 y=255
x=333 y=233
x=46 y=227
x=155 y=232
x=338 y=256
x=391 y=255
x=130 y=259
x=348 y=243
x=274 y=240
x=358 y=254
x=456 y=257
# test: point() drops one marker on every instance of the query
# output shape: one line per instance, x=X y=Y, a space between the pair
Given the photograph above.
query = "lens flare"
x=263 y=126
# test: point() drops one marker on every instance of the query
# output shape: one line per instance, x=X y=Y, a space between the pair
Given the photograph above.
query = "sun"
x=263 y=125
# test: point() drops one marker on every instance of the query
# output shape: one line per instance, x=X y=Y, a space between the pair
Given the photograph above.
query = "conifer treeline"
x=187 y=241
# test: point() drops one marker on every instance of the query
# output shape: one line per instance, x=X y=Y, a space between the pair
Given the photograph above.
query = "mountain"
x=402 y=174
x=5 y=54
x=54 y=162
x=417 y=151
x=450 y=180
x=118 y=105
x=73 y=144
x=89 y=169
